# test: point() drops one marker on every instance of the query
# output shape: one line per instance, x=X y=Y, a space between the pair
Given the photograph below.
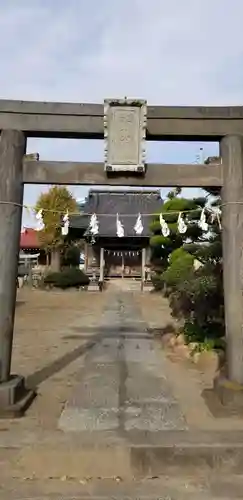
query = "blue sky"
x=170 y=52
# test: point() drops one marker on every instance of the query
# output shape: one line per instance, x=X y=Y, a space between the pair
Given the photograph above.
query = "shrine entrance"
x=125 y=125
x=123 y=263
x=108 y=253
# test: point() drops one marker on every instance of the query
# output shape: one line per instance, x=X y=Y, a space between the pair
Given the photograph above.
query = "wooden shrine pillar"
x=102 y=263
x=148 y=263
x=86 y=256
x=231 y=151
x=143 y=267
x=123 y=264
x=13 y=397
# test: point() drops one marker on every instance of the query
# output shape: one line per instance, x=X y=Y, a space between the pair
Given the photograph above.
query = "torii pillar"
x=14 y=398
x=230 y=385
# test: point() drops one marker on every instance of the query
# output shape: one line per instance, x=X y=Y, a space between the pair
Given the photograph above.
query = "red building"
x=29 y=240
x=29 y=244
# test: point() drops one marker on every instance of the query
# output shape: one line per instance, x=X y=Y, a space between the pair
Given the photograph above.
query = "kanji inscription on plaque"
x=125 y=131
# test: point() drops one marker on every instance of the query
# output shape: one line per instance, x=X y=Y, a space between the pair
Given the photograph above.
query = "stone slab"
x=14 y=397
x=154 y=418
x=76 y=419
x=106 y=351
x=19 y=408
x=98 y=388
x=142 y=351
x=126 y=460
x=122 y=386
x=125 y=129
x=141 y=454
x=151 y=389
x=11 y=391
x=229 y=393
x=93 y=287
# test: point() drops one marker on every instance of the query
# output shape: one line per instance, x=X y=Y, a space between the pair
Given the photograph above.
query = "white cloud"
x=172 y=52
x=166 y=51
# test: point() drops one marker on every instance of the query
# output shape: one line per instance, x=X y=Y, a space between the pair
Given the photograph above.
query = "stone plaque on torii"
x=125 y=122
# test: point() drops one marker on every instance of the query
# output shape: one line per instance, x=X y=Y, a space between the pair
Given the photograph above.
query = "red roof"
x=29 y=239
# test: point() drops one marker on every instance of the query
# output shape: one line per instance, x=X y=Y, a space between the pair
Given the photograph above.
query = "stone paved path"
x=122 y=395
x=121 y=386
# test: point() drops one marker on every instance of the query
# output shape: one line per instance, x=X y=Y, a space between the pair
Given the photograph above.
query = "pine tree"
x=195 y=294
x=162 y=246
x=199 y=298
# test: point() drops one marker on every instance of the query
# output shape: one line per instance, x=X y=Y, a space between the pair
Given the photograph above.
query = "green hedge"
x=157 y=281
x=68 y=278
x=180 y=268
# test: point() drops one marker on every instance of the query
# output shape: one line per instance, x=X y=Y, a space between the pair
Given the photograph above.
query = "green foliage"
x=162 y=247
x=206 y=345
x=157 y=281
x=68 y=278
x=179 y=253
x=55 y=203
x=199 y=299
x=196 y=296
x=71 y=256
x=181 y=266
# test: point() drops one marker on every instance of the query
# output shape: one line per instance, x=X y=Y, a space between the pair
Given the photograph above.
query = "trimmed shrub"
x=199 y=300
x=179 y=270
x=157 y=282
x=179 y=253
x=68 y=278
x=71 y=257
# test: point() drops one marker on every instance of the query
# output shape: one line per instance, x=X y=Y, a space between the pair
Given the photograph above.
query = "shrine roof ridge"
x=119 y=192
x=125 y=206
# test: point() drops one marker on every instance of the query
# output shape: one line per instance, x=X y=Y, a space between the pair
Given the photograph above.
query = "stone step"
x=124 y=284
x=172 y=487
x=137 y=455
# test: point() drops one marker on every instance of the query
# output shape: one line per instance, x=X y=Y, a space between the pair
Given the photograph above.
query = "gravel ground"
x=47 y=350
x=50 y=350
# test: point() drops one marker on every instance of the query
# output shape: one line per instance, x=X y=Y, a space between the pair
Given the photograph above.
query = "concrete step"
x=173 y=487
x=124 y=284
x=136 y=455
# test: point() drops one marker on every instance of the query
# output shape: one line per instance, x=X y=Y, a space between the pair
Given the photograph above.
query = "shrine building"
x=107 y=254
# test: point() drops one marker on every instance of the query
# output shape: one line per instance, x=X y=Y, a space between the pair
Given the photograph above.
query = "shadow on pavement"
x=36 y=378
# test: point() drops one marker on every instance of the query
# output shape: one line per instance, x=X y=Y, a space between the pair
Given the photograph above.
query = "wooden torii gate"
x=20 y=120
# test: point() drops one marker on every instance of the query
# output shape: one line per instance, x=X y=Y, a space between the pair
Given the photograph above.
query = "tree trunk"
x=55 y=260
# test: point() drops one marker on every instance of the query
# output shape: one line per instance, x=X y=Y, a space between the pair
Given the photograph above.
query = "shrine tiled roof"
x=127 y=204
